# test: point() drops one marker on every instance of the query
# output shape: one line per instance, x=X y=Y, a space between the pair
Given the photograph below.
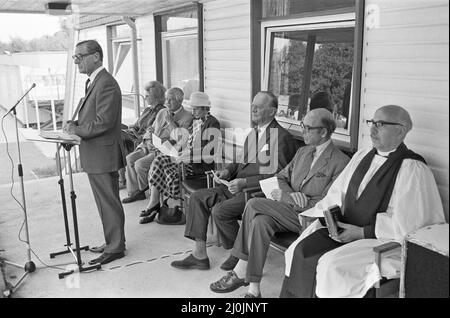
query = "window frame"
x=162 y=36
x=349 y=140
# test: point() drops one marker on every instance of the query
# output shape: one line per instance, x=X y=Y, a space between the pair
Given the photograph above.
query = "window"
x=119 y=56
x=311 y=68
x=179 y=57
x=310 y=62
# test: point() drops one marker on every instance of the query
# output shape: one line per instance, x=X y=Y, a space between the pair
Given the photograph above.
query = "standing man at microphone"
x=101 y=149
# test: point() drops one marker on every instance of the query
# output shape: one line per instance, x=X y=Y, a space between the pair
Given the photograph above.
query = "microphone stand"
x=29 y=267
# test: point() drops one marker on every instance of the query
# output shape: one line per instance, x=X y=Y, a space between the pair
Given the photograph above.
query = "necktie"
x=86 y=86
x=313 y=156
x=308 y=164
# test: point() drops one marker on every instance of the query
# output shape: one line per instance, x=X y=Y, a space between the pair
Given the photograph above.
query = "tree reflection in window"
x=305 y=63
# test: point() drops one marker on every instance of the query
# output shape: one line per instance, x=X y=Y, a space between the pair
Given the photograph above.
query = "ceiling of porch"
x=87 y=7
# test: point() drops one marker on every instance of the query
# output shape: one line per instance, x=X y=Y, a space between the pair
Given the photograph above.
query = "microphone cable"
x=17 y=201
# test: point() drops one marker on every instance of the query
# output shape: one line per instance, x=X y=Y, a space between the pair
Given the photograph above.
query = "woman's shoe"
x=147 y=212
x=150 y=218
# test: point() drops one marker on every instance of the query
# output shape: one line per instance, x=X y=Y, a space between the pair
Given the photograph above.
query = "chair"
x=190 y=184
x=281 y=240
x=386 y=287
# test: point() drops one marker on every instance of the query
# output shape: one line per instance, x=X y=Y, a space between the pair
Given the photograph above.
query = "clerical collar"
x=385 y=154
x=94 y=73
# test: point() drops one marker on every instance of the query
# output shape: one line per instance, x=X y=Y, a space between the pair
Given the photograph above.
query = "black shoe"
x=150 y=218
x=98 y=249
x=106 y=258
x=148 y=212
x=138 y=195
x=228 y=283
x=230 y=263
x=191 y=262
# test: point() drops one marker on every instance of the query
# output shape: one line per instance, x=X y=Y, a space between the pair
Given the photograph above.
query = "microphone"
x=26 y=93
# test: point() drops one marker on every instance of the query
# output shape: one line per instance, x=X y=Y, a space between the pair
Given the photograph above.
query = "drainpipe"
x=132 y=25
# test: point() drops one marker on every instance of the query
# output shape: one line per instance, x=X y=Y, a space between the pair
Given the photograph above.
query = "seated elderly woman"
x=164 y=174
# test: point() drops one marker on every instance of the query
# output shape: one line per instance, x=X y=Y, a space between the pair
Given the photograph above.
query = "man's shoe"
x=98 y=249
x=230 y=263
x=250 y=295
x=106 y=258
x=191 y=262
x=138 y=195
x=228 y=283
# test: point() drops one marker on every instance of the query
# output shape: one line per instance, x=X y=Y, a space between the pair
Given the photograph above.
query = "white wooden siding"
x=405 y=62
x=146 y=55
x=226 y=34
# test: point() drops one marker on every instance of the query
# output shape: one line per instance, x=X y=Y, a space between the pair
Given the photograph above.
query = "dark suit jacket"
x=99 y=126
x=314 y=183
x=263 y=159
x=212 y=142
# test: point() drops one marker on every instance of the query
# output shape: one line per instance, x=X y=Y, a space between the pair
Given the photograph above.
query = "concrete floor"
x=144 y=272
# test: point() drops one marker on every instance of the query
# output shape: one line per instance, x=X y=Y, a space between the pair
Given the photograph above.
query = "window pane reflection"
x=181 y=64
x=310 y=69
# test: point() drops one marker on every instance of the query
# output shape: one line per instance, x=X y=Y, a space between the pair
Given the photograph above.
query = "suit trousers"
x=261 y=220
x=105 y=187
x=138 y=165
x=225 y=209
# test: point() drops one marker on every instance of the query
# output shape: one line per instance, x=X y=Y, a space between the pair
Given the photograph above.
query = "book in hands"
x=332 y=215
x=218 y=180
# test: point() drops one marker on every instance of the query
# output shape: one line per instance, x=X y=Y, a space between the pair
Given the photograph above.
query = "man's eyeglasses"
x=381 y=123
x=307 y=128
x=80 y=57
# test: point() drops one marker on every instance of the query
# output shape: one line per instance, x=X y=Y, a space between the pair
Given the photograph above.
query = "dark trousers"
x=225 y=209
x=302 y=278
x=105 y=187
x=261 y=220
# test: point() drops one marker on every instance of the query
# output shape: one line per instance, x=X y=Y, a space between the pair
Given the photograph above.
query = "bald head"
x=397 y=114
x=387 y=137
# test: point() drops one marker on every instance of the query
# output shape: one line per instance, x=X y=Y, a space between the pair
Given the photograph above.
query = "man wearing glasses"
x=101 y=148
x=385 y=192
x=303 y=182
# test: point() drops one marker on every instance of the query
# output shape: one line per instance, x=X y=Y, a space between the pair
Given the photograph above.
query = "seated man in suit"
x=303 y=182
x=385 y=192
x=163 y=176
x=267 y=142
x=174 y=116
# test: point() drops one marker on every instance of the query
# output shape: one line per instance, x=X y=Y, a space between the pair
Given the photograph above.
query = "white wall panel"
x=146 y=55
x=405 y=62
x=226 y=29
